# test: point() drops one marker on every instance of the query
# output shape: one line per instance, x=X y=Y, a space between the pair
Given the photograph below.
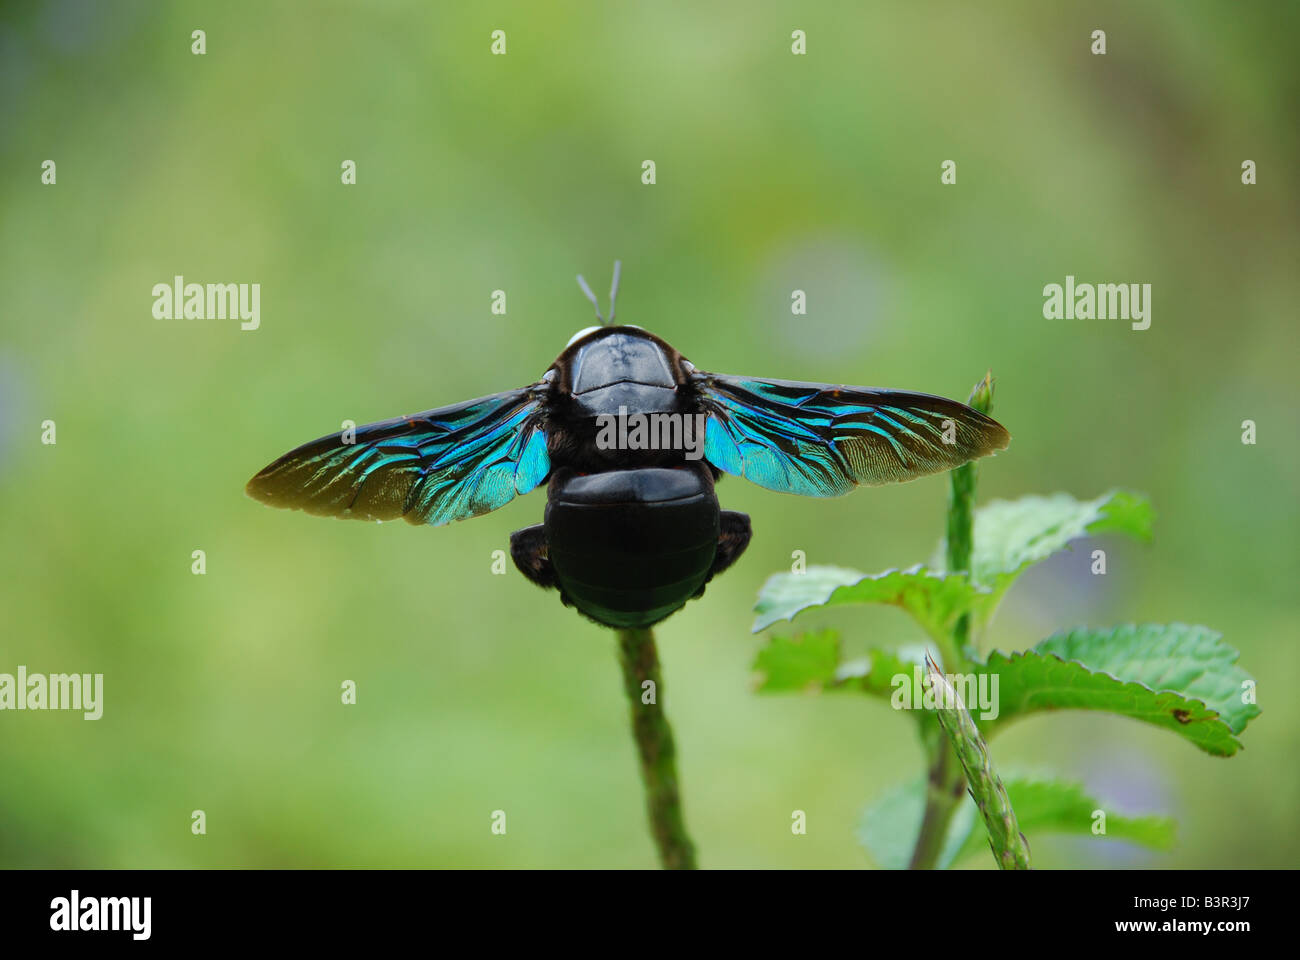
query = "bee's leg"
x=732 y=540
x=528 y=550
x=733 y=537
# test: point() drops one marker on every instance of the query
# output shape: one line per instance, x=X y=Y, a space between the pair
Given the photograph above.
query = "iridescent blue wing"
x=820 y=440
x=433 y=467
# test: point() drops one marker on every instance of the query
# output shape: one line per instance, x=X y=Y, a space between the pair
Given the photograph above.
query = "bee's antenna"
x=592 y=297
x=613 y=288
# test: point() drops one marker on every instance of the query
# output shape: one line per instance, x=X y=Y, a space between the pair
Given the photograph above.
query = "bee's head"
x=579 y=335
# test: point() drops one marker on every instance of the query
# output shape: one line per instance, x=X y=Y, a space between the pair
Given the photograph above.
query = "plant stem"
x=961 y=515
x=943 y=791
x=945 y=782
x=654 y=742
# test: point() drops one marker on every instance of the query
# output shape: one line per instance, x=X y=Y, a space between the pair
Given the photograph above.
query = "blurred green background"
x=476 y=172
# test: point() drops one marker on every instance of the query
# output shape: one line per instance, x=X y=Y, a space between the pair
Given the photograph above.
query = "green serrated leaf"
x=1125 y=512
x=888 y=827
x=1055 y=806
x=811 y=662
x=934 y=600
x=804 y=662
x=1012 y=535
x=1183 y=678
x=878 y=673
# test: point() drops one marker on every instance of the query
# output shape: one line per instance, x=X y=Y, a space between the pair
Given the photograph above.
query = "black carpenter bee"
x=630 y=439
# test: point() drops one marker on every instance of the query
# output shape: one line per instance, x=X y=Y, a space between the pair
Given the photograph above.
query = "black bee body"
x=629 y=535
x=629 y=547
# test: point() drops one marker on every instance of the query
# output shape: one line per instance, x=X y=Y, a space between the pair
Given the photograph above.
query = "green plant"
x=642 y=681
x=1183 y=678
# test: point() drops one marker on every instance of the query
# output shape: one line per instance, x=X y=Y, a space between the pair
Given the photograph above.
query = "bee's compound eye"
x=579 y=335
